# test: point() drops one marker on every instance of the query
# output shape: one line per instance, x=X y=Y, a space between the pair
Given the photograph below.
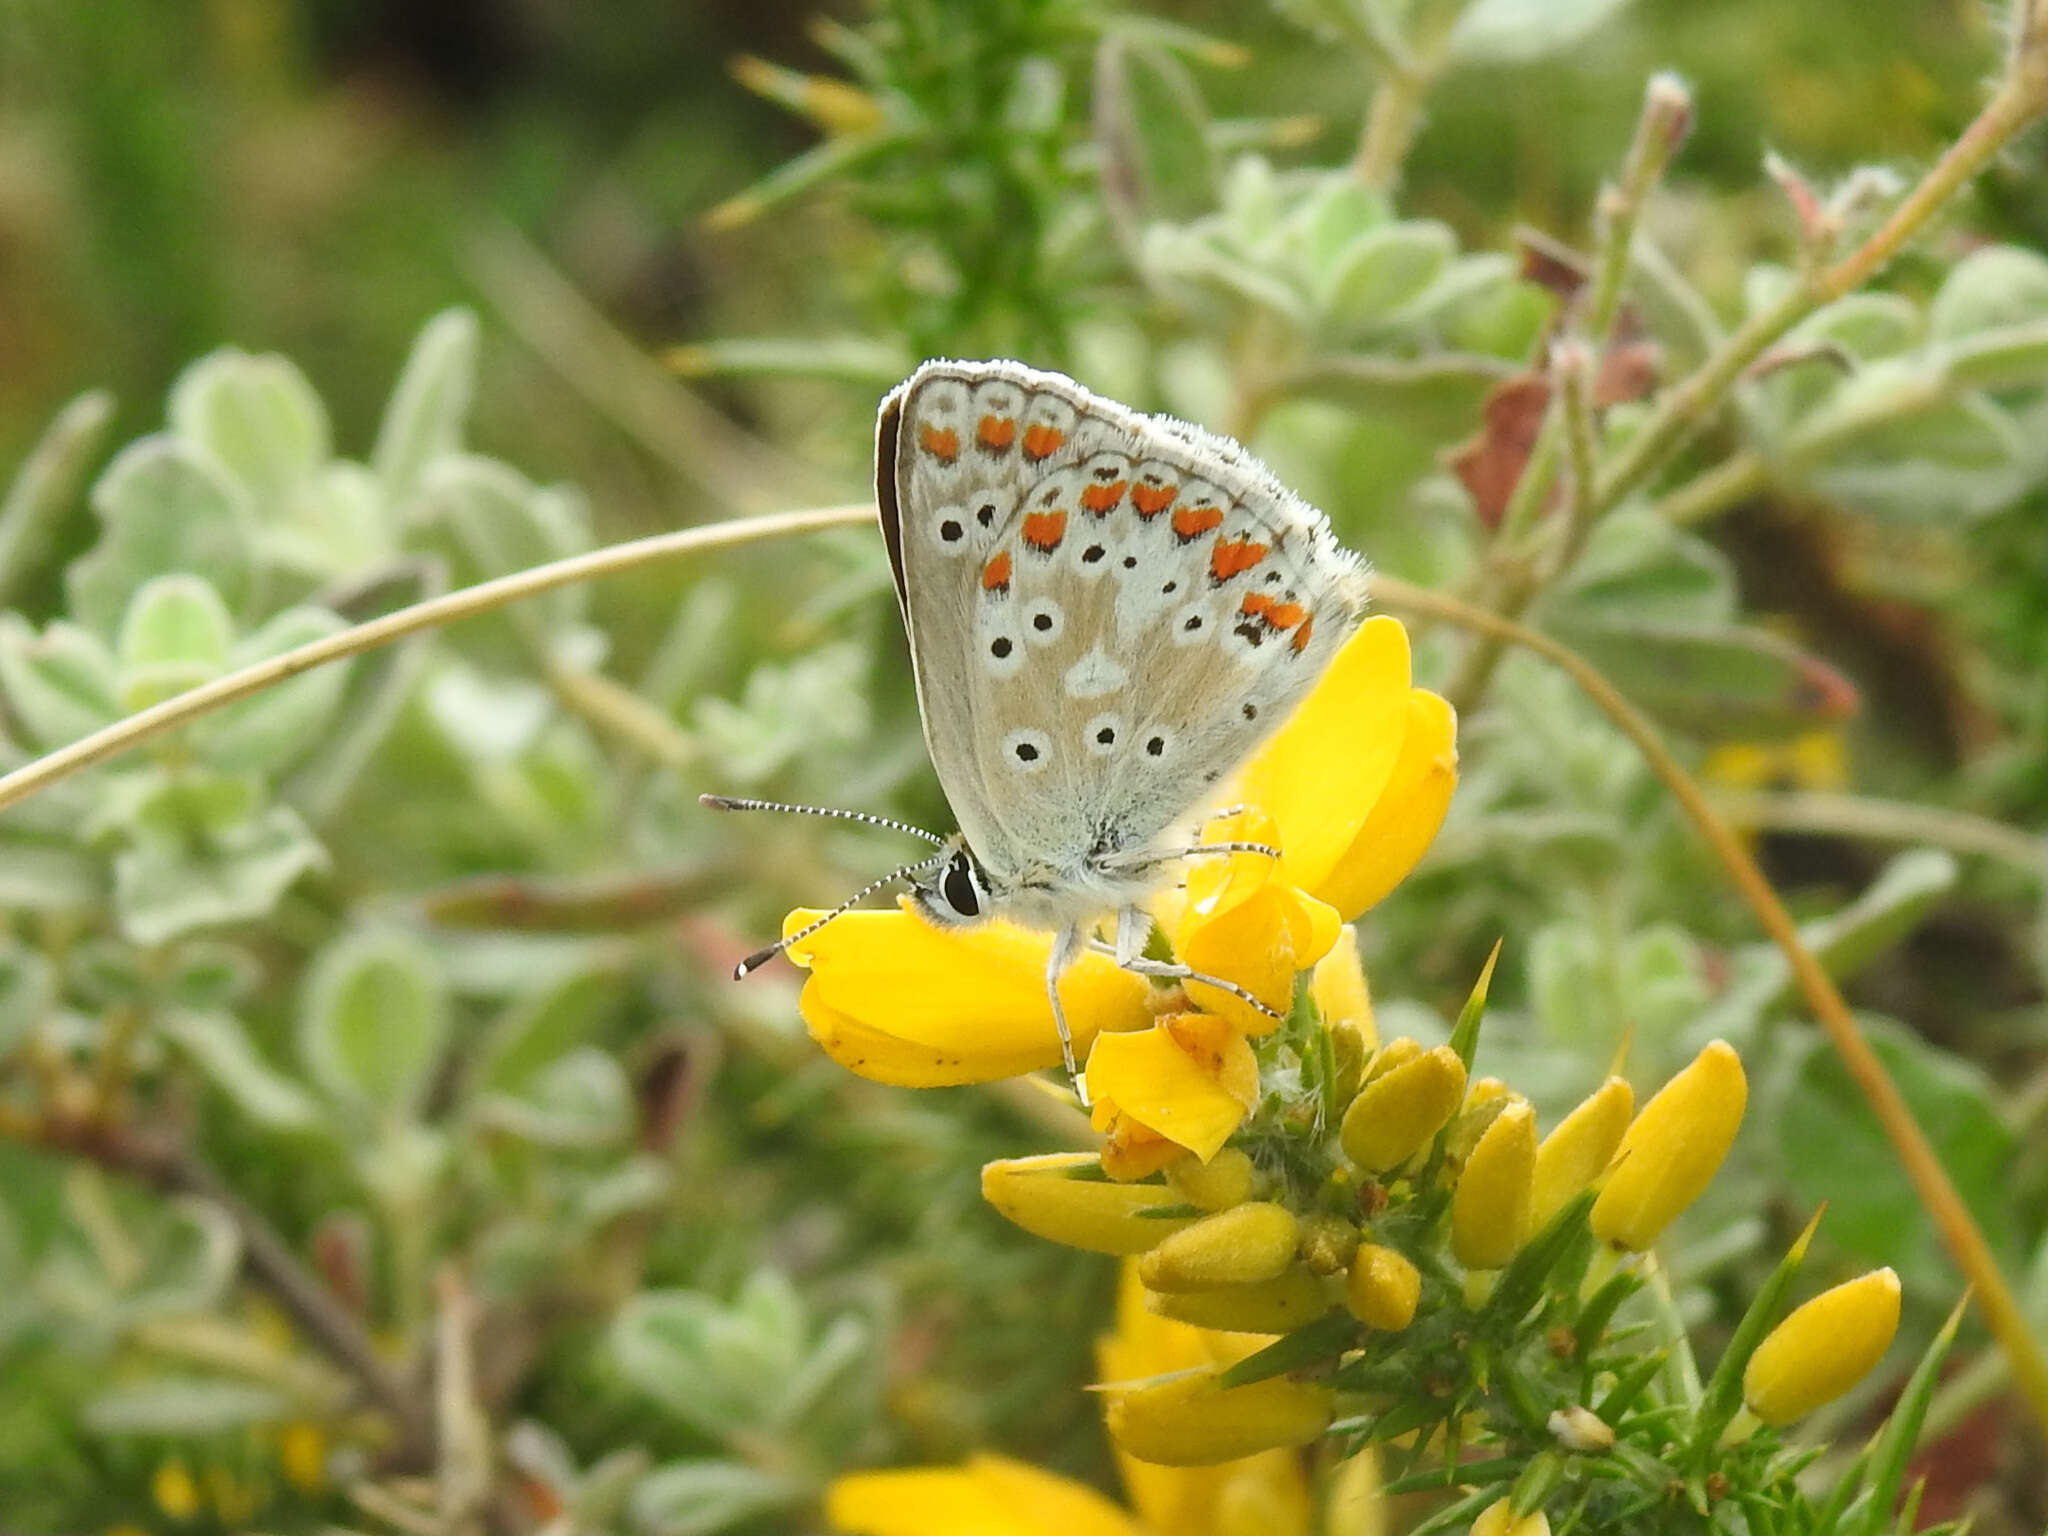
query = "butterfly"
x=1108 y=612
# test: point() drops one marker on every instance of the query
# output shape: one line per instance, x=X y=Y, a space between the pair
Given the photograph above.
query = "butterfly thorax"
x=963 y=890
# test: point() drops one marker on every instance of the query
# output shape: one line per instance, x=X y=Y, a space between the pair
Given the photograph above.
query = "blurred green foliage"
x=423 y=958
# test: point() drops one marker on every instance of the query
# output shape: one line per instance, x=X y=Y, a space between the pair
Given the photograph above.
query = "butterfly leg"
x=1066 y=949
x=1151 y=858
x=1133 y=927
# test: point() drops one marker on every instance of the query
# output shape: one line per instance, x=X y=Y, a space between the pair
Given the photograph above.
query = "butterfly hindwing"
x=1107 y=611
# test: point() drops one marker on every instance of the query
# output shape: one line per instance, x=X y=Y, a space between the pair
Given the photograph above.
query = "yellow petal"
x=1130 y=1149
x=1280 y=1305
x=1490 y=1207
x=1340 y=988
x=1498 y=1519
x=1673 y=1149
x=1395 y=1115
x=1196 y=1421
x=971 y=993
x=1823 y=1349
x=884 y=1058
x=1062 y=1197
x=1405 y=818
x=1190 y=1079
x=1579 y=1150
x=1260 y=942
x=989 y=1496
x=1249 y=1242
x=1322 y=771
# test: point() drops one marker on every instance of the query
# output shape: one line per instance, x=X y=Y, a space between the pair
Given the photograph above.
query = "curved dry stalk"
x=1959 y=1230
x=181 y=709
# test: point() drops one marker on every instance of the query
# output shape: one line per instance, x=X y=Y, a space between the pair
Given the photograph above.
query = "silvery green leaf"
x=1152 y=132
x=498 y=522
x=488 y=719
x=46 y=877
x=2005 y=357
x=336 y=522
x=1636 y=565
x=257 y=417
x=1382 y=270
x=1519 y=31
x=180 y=1407
x=402 y=1164
x=546 y=1025
x=217 y=1044
x=429 y=404
x=211 y=974
x=47 y=486
x=165 y=888
x=61 y=684
x=701 y=1498
x=640 y=1183
x=581 y=1100
x=166 y=506
x=1863 y=328
x=1254 y=212
x=1438 y=396
x=374 y=1020
x=1989 y=289
x=174 y=636
x=1713 y=679
x=1332 y=220
x=273 y=729
x=1503 y=319
x=1190 y=264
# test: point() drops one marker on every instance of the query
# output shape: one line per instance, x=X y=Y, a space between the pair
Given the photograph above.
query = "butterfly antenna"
x=737 y=803
x=761 y=957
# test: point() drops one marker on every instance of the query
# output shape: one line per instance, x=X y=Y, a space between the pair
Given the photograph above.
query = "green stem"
x=1707 y=495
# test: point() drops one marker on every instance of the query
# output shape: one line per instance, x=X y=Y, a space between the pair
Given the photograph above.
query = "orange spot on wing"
x=996 y=433
x=1233 y=557
x=1102 y=499
x=942 y=443
x=1300 y=641
x=995 y=576
x=1193 y=522
x=1041 y=441
x=1151 y=500
x=1285 y=615
x=1044 y=530
x=1254 y=605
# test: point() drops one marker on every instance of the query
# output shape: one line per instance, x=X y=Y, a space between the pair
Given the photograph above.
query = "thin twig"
x=180 y=709
x=1959 y=1231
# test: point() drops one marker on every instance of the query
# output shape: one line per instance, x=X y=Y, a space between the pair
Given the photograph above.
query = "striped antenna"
x=761 y=957
x=738 y=803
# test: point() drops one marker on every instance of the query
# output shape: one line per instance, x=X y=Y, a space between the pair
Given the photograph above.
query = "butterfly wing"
x=1107 y=611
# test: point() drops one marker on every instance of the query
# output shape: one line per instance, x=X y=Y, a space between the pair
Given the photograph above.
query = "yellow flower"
x=1673 y=1149
x=895 y=999
x=1360 y=776
x=1248 y=1242
x=1223 y=1181
x=1279 y=1305
x=1498 y=1519
x=1579 y=1150
x=1341 y=993
x=1490 y=1206
x=1241 y=919
x=1190 y=1079
x=1062 y=1197
x=1823 y=1349
x=989 y=1496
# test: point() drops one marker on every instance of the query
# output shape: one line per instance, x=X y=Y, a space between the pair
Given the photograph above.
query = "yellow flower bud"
x=1382 y=1288
x=1673 y=1149
x=1578 y=1151
x=1578 y=1428
x=1490 y=1207
x=175 y=1490
x=1195 y=1421
x=1051 y=1196
x=833 y=105
x=1356 y=1505
x=1485 y=1090
x=1395 y=1115
x=1248 y=1242
x=1225 y=1180
x=1397 y=1052
x=1328 y=1243
x=1498 y=1519
x=302 y=1456
x=1823 y=1349
x=1279 y=1305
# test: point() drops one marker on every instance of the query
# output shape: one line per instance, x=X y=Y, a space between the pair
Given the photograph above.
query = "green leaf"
x=1638 y=567
x=699 y=1498
x=1333 y=220
x=255 y=416
x=1152 y=131
x=41 y=877
x=166 y=507
x=1718 y=681
x=1383 y=270
x=1438 y=395
x=221 y=1049
x=165 y=887
x=174 y=636
x=1990 y=289
x=182 y=1407
x=28 y=990
x=1522 y=31
x=1192 y=263
x=275 y=728
x=1831 y=1144
x=429 y=404
x=580 y=1100
x=500 y=522
x=47 y=486
x=375 y=1020
x=541 y=1029
x=1901 y=1433
x=2008 y=357
x=61 y=684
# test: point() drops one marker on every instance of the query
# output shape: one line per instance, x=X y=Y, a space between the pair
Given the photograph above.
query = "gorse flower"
x=892 y=998
x=1823 y=1349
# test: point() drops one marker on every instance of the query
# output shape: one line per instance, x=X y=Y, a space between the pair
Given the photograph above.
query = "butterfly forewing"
x=1107 y=611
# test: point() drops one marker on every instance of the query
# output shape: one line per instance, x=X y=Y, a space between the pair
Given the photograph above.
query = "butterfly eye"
x=959 y=887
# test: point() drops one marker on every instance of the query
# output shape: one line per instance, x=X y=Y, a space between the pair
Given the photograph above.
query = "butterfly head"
x=955 y=892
